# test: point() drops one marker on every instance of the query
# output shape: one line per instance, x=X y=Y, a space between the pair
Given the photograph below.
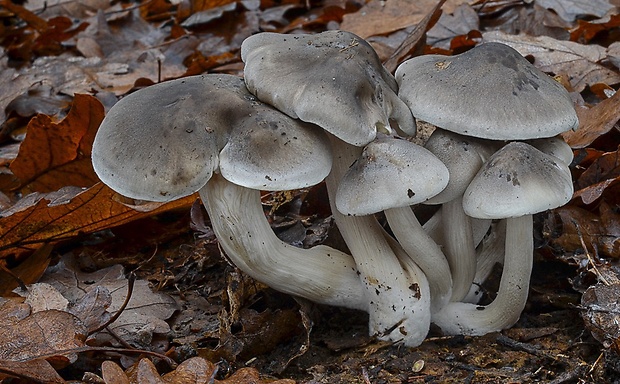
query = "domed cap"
x=390 y=173
x=490 y=91
x=518 y=180
x=333 y=79
x=271 y=151
x=163 y=142
x=462 y=155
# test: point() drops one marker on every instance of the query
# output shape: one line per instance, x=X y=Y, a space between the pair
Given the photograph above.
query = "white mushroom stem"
x=434 y=227
x=391 y=293
x=424 y=252
x=459 y=247
x=504 y=311
x=489 y=247
x=489 y=253
x=320 y=274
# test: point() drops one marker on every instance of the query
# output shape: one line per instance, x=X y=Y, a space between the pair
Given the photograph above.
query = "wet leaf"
x=28 y=271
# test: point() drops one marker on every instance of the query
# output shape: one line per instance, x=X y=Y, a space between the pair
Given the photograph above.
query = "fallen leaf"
x=28 y=270
x=569 y=10
x=38 y=370
x=383 y=17
x=52 y=334
x=588 y=30
x=54 y=155
x=594 y=122
x=44 y=297
x=602 y=314
x=414 y=39
x=605 y=167
x=143 y=316
x=581 y=63
x=570 y=227
x=448 y=26
x=113 y=374
x=39 y=218
x=613 y=54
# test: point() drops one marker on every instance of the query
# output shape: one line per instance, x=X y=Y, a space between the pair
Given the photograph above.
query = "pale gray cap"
x=390 y=173
x=164 y=141
x=554 y=146
x=333 y=79
x=518 y=180
x=271 y=151
x=462 y=155
x=490 y=92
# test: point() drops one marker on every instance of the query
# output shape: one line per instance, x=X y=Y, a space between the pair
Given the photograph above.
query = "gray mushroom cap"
x=333 y=79
x=271 y=151
x=462 y=155
x=390 y=173
x=554 y=146
x=163 y=142
x=518 y=180
x=490 y=91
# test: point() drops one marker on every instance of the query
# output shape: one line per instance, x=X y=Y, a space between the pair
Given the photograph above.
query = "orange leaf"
x=594 y=122
x=54 y=155
x=39 y=218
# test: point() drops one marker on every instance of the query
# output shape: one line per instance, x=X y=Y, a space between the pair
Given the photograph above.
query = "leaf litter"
x=65 y=63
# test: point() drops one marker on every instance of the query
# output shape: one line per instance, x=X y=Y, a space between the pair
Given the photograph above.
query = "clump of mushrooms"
x=336 y=80
x=315 y=107
x=209 y=134
x=488 y=95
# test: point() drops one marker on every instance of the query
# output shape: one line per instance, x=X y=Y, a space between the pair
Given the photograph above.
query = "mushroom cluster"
x=323 y=107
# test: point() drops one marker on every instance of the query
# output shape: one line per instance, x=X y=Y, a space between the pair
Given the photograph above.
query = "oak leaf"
x=55 y=155
x=52 y=217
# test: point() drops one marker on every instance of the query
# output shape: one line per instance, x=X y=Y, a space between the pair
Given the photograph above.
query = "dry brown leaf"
x=570 y=227
x=28 y=271
x=54 y=155
x=605 y=167
x=602 y=313
x=383 y=17
x=594 y=122
x=588 y=30
x=144 y=372
x=40 y=218
x=581 y=63
x=192 y=371
x=571 y=9
x=52 y=334
x=448 y=26
x=613 y=54
x=113 y=374
x=414 y=39
x=143 y=316
x=38 y=370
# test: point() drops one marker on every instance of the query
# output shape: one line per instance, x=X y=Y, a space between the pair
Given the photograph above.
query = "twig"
x=413 y=40
x=130 y=284
x=171 y=363
x=585 y=249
